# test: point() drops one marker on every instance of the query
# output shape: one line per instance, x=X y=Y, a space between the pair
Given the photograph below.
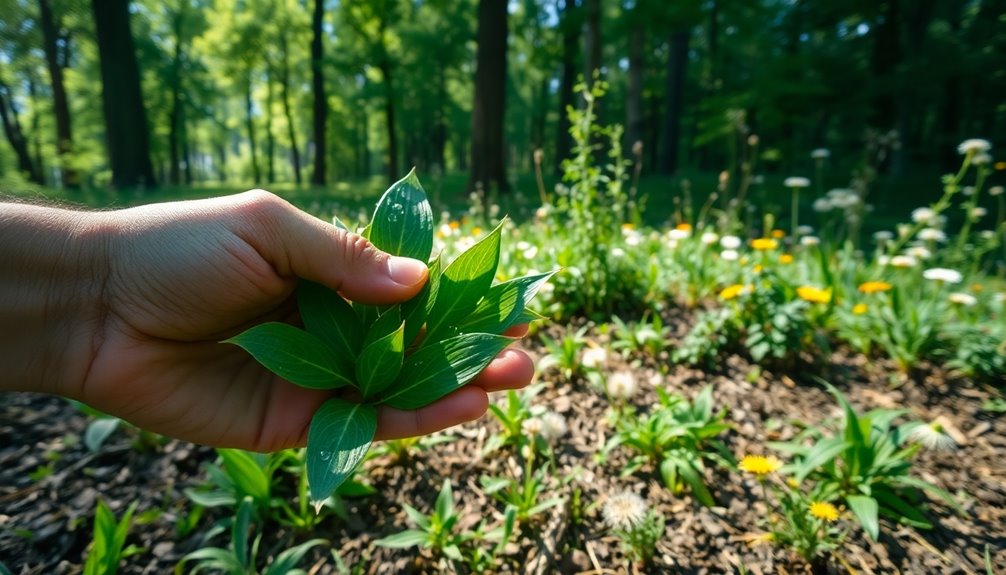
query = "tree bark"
x=389 y=117
x=291 y=127
x=487 y=166
x=250 y=125
x=60 y=106
x=175 y=116
x=319 y=117
x=570 y=26
x=15 y=135
x=592 y=39
x=677 y=64
x=270 y=137
x=126 y=128
x=634 y=95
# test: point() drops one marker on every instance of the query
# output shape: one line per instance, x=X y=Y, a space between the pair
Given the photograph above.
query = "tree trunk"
x=291 y=127
x=36 y=132
x=677 y=64
x=319 y=117
x=250 y=125
x=175 y=116
x=634 y=96
x=60 y=105
x=389 y=118
x=570 y=26
x=487 y=166
x=126 y=128
x=15 y=135
x=270 y=137
x=592 y=39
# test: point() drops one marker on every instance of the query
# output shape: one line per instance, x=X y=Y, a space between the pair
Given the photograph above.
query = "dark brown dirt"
x=46 y=513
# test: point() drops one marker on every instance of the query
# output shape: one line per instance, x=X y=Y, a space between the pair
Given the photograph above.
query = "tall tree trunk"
x=291 y=126
x=634 y=96
x=60 y=106
x=592 y=39
x=570 y=26
x=487 y=167
x=677 y=64
x=250 y=125
x=36 y=132
x=319 y=117
x=270 y=137
x=126 y=128
x=15 y=135
x=175 y=116
x=389 y=117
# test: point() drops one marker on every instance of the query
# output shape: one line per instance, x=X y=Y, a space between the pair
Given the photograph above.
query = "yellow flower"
x=730 y=292
x=454 y=224
x=1000 y=165
x=813 y=294
x=824 y=510
x=786 y=259
x=759 y=539
x=977 y=288
x=778 y=234
x=476 y=231
x=874 y=286
x=684 y=227
x=793 y=483
x=764 y=244
x=758 y=268
x=860 y=309
x=759 y=464
x=628 y=227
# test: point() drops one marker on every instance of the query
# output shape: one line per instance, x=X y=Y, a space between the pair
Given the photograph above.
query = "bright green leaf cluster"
x=406 y=355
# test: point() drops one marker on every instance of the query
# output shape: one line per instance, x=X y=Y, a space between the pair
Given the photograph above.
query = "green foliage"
x=675 y=438
x=792 y=524
x=978 y=352
x=650 y=337
x=462 y=313
x=517 y=410
x=867 y=463
x=522 y=493
x=109 y=540
x=712 y=332
x=564 y=353
x=639 y=541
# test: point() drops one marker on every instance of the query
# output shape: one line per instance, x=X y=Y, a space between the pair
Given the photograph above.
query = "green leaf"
x=822 y=452
x=380 y=362
x=440 y=368
x=865 y=509
x=403 y=221
x=239 y=532
x=247 y=475
x=330 y=317
x=337 y=441
x=98 y=431
x=295 y=355
x=503 y=304
x=416 y=310
x=386 y=324
x=407 y=538
x=693 y=477
x=465 y=281
x=444 y=505
x=286 y=562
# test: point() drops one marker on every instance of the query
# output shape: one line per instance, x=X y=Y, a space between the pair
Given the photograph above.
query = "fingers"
x=298 y=244
x=465 y=404
x=512 y=369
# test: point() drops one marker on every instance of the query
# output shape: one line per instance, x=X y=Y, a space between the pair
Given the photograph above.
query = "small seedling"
x=404 y=356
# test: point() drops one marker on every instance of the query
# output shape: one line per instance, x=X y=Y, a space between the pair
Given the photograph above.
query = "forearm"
x=53 y=266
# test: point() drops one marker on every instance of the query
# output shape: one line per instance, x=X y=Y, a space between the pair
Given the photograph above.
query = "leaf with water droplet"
x=403 y=220
x=337 y=441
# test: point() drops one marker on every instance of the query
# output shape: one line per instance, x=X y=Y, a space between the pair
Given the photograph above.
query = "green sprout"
x=404 y=356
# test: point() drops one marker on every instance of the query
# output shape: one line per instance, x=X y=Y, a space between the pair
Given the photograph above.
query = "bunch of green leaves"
x=240 y=558
x=646 y=336
x=774 y=326
x=979 y=351
x=868 y=463
x=438 y=532
x=511 y=416
x=907 y=329
x=676 y=437
x=522 y=492
x=712 y=333
x=793 y=527
x=404 y=356
x=108 y=544
x=639 y=540
x=563 y=353
x=407 y=449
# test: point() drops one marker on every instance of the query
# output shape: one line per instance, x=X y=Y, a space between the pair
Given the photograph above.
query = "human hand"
x=178 y=278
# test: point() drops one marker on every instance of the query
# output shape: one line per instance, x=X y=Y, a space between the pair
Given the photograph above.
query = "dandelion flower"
x=730 y=292
x=684 y=227
x=764 y=244
x=874 y=287
x=932 y=436
x=961 y=298
x=796 y=182
x=759 y=464
x=824 y=510
x=624 y=511
x=622 y=385
x=553 y=426
x=778 y=234
x=814 y=294
x=594 y=357
x=786 y=259
x=943 y=275
x=860 y=309
x=974 y=146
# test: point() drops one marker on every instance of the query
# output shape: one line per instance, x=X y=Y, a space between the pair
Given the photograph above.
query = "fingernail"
x=406 y=271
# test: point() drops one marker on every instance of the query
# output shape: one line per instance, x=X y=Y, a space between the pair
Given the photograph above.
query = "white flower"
x=883 y=236
x=553 y=426
x=919 y=252
x=923 y=215
x=710 y=238
x=804 y=230
x=968 y=191
x=974 y=146
x=820 y=153
x=903 y=261
x=530 y=252
x=532 y=426
x=622 y=385
x=843 y=198
x=446 y=230
x=594 y=357
x=979 y=212
x=617 y=252
x=981 y=159
x=796 y=182
x=542 y=212
x=730 y=255
x=822 y=205
x=730 y=242
x=932 y=235
x=943 y=275
x=679 y=234
x=996 y=190
x=962 y=298
x=633 y=240
x=624 y=511
x=810 y=241
x=931 y=436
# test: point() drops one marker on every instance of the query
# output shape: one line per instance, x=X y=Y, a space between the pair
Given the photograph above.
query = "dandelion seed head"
x=796 y=182
x=730 y=242
x=944 y=275
x=810 y=241
x=622 y=385
x=594 y=357
x=931 y=436
x=820 y=154
x=961 y=298
x=730 y=255
x=974 y=146
x=932 y=235
x=709 y=238
x=624 y=511
x=903 y=261
x=553 y=426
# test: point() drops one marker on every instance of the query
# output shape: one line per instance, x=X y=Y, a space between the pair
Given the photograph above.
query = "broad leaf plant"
x=405 y=355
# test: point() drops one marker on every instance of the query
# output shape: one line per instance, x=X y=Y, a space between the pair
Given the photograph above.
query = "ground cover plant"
x=762 y=397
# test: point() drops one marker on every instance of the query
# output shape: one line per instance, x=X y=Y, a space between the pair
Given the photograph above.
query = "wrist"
x=54 y=266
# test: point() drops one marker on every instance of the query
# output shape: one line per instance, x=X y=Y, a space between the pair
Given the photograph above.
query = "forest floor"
x=46 y=517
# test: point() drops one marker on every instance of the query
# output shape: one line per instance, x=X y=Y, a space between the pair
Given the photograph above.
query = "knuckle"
x=355 y=248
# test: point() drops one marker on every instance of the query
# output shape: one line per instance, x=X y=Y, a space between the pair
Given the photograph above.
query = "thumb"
x=301 y=245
